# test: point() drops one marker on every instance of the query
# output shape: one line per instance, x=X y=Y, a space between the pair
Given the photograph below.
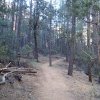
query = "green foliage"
x=82 y=57
x=3 y=8
x=85 y=56
x=96 y=7
x=3 y=50
x=26 y=50
x=7 y=41
x=3 y=22
x=6 y=54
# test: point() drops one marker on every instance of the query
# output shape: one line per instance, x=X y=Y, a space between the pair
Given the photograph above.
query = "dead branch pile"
x=11 y=73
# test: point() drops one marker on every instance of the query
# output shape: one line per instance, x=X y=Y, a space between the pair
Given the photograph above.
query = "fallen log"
x=15 y=72
x=8 y=72
x=24 y=71
x=6 y=68
x=20 y=70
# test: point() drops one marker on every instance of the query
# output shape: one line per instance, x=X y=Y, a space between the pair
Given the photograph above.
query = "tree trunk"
x=35 y=45
x=49 y=47
x=19 y=31
x=35 y=29
x=30 y=24
x=95 y=34
x=99 y=39
x=50 y=60
x=13 y=10
x=88 y=31
x=90 y=65
x=72 y=47
x=19 y=25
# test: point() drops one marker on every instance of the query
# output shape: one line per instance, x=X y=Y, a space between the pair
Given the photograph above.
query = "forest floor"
x=52 y=83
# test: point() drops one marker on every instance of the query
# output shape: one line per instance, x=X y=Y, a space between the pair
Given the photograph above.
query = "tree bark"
x=30 y=24
x=72 y=43
x=50 y=60
x=72 y=47
x=19 y=25
x=88 y=31
x=35 y=29
x=13 y=10
x=90 y=65
x=35 y=46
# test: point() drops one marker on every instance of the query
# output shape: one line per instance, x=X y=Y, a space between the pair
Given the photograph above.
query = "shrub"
x=26 y=50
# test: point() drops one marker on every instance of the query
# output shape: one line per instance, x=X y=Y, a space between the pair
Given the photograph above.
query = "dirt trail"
x=54 y=86
x=50 y=83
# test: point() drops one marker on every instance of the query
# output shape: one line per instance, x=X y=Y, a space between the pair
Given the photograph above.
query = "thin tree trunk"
x=88 y=31
x=50 y=60
x=67 y=40
x=19 y=25
x=72 y=47
x=95 y=34
x=72 y=44
x=99 y=39
x=19 y=31
x=90 y=65
x=13 y=10
x=36 y=25
x=30 y=24
x=35 y=47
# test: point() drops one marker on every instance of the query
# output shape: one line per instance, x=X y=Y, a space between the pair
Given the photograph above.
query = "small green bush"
x=26 y=50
